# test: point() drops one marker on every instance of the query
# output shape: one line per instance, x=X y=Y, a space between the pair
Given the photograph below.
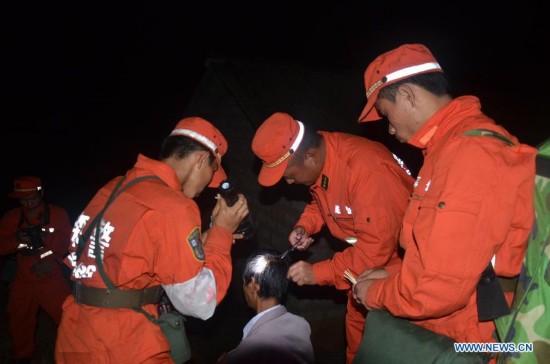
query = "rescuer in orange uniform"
x=359 y=191
x=40 y=234
x=472 y=201
x=151 y=236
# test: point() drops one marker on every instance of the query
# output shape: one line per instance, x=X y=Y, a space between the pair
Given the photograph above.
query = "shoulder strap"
x=491 y=133
x=97 y=220
x=97 y=249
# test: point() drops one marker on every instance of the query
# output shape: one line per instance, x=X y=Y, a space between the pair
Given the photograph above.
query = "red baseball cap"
x=390 y=67
x=208 y=135
x=274 y=142
x=25 y=186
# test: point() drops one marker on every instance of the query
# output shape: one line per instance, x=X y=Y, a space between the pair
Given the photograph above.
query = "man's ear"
x=311 y=157
x=405 y=93
x=255 y=285
x=202 y=159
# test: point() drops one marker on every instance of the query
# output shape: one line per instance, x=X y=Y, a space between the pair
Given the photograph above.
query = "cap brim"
x=369 y=112
x=20 y=194
x=217 y=178
x=270 y=176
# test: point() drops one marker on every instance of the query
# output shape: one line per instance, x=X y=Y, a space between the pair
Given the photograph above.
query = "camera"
x=230 y=195
x=35 y=234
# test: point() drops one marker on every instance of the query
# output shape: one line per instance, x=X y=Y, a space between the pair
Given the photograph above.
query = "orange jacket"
x=362 y=193
x=56 y=243
x=151 y=236
x=472 y=200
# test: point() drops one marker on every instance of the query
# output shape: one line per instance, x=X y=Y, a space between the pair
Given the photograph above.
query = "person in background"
x=39 y=233
x=359 y=191
x=273 y=335
x=151 y=237
x=471 y=208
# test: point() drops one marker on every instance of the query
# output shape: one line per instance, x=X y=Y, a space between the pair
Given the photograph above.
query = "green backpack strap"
x=491 y=133
x=97 y=220
x=97 y=250
x=82 y=239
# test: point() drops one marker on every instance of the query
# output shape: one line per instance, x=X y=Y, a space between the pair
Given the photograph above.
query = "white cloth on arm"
x=196 y=297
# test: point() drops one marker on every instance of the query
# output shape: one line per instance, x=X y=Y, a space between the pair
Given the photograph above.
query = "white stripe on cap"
x=299 y=137
x=198 y=137
x=404 y=72
x=292 y=148
x=27 y=189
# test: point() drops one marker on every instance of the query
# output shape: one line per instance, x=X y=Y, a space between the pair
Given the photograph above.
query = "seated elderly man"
x=274 y=335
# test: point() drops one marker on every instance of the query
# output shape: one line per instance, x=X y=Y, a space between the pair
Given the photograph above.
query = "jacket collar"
x=160 y=169
x=444 y=119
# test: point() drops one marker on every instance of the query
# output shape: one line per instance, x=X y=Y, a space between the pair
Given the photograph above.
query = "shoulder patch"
x=194 y=240
x=324 y=182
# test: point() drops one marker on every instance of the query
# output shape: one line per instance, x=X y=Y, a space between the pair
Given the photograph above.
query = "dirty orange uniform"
x=472 y=201
x=361 y=196
x=151 y=236
x=39 y=282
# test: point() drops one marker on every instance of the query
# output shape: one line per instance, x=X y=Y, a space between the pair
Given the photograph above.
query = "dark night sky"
x=88 y=85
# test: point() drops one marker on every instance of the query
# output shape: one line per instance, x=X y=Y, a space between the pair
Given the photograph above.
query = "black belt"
x=117 y=298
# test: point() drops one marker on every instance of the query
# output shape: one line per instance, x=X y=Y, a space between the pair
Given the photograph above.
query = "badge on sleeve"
x=194 y=240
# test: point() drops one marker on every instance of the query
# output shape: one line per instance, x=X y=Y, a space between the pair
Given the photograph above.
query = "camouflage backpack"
x=529 y=321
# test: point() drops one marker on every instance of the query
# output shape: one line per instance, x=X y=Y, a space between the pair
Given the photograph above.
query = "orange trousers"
x=355 y=325
x=24 y=301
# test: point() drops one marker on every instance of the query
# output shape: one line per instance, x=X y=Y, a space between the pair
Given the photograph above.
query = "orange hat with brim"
x=274 y=142
x=390 y=67
x=208 y=135
x=25 y=186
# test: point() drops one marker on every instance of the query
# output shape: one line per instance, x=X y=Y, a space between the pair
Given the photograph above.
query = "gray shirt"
x=276 y=337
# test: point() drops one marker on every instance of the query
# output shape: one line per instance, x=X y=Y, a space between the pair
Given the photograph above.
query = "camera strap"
x=34 y=232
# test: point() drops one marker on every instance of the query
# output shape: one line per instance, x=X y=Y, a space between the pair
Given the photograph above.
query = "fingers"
x=299 y=238
x=363 y=275
x=218 y=205
x=357 y=292
x=304 y=244
x=239 y=208
x=237 y=237
x=354 y=293
x=301 y=273
x=294 y=271
x=242 y=205
x=230 y=217
x=377 y=273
